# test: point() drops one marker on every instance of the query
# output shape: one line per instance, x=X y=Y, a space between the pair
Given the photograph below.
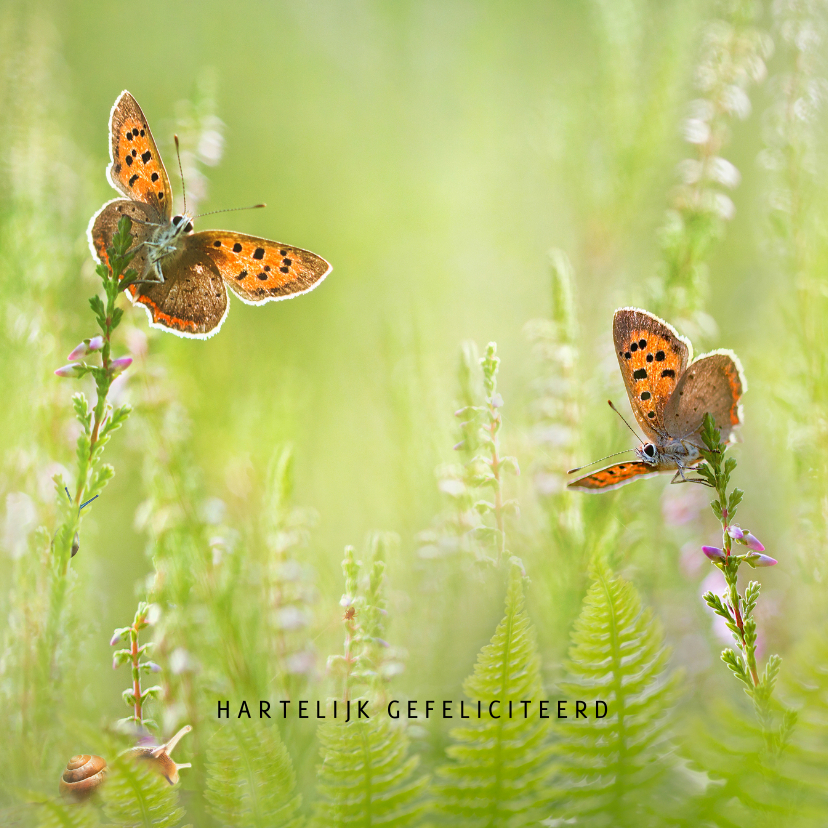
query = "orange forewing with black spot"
x=613 y=476
x=137 y=169
x=652 y=357
x=259 y=270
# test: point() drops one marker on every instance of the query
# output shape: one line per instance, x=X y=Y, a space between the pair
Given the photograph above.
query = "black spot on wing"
x=640 y=374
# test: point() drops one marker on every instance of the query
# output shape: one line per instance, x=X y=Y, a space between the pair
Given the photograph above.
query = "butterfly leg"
x=679 y=477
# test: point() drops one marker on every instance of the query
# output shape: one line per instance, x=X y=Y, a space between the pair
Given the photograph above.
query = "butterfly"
x=183 y=276
x=669 y=394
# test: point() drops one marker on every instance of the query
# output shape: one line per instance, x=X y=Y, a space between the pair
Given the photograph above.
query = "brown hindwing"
x=652 y=357
x=713 y=384
x=613 y=476
x=105 y=222
x=192 y=302
x=136 y=169
x=259 y=270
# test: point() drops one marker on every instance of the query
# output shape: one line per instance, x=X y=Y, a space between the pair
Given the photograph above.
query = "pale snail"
x=85 y=773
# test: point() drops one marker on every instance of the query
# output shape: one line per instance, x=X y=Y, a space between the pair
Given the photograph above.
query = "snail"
x=85 y=773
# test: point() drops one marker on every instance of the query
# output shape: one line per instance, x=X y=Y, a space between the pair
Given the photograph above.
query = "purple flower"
x=118 y=365
x=761 y=560
x=73 y=370
x=714 y=553
x=745 y=537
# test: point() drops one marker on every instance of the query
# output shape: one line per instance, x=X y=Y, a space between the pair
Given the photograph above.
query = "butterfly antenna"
x=640 y=439
x=181 y=173
x=572 y=471
x=230 y=210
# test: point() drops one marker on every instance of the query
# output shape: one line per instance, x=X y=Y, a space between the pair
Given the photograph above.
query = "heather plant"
x=732 y=59
x=367 y=776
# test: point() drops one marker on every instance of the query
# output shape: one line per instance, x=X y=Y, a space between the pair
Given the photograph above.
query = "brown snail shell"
x=160 y=759
x=84 y=774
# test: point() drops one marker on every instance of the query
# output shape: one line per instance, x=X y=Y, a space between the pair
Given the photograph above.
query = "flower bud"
x=86 y=347
x=73 y=370
x=761 y=560
x=714 y=553
x=119 y=365
x=754 y=543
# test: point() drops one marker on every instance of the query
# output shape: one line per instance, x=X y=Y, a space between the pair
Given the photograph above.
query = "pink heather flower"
x=714 y=553
x=86 y=347
x=68 y=371
x=750 y=540
x=121 y=364
x=78 y=352
x=761 y=560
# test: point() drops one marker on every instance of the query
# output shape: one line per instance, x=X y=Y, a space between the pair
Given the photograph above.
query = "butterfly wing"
x=714 y=383
x=259 y=270
x=613 y=476
x=136 y=169
x=652 y=357
x=192 y=300
x=105 y=222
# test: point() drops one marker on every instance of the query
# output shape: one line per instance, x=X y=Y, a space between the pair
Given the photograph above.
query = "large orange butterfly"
x=182 y=274
x=669 y=395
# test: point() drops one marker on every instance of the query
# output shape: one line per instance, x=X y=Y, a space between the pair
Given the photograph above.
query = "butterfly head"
x=183 y=223
x=648 y=453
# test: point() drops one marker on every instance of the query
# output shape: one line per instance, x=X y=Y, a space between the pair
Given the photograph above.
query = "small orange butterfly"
x=669 y=395
x=182 y=274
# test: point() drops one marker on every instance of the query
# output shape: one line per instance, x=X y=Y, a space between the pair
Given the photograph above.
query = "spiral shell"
x=82 y=777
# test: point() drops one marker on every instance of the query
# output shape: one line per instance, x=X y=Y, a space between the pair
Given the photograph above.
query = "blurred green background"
x=433 y=152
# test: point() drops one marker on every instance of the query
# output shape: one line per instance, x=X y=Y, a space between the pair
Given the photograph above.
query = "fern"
x=365 y=778
x=500 y=765
x=750 y=783
x=250 y=782
x=610 y=768
x=135 y=796
x=55 y=813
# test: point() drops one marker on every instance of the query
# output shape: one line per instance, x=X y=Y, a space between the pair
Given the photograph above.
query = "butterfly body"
x=183 y=276
x=166 y=243
x=669 y=394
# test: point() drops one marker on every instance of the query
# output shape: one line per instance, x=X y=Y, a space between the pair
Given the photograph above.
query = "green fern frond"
x=135 y=796
x=367 y=777
x=52 y=812
x=250 y=778
x=500 y=765
x=750 y=782
x=611 y=768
